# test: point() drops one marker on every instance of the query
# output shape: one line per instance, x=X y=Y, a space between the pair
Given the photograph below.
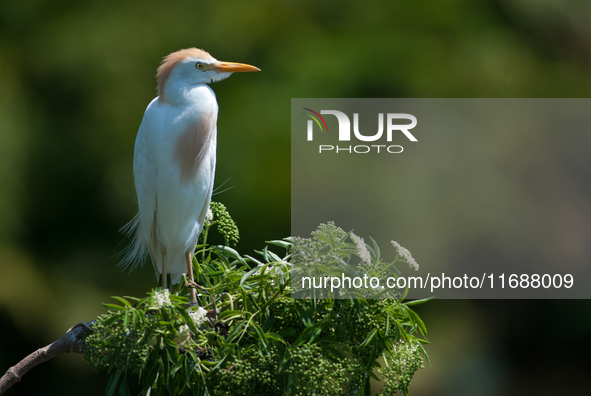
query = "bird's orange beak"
x=230 y=67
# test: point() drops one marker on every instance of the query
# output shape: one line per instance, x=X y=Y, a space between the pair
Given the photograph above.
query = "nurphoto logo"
x=392 y=126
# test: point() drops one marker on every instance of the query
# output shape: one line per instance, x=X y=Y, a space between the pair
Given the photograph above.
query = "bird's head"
x=194 y=66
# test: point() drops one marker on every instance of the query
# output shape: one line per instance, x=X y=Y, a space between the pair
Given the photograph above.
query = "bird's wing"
x=212 y=164
x=144 y=173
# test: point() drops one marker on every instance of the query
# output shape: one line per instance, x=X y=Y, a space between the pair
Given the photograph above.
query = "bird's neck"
x=178 y=93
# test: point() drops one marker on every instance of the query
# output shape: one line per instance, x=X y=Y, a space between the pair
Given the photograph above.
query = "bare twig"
x=70 y=342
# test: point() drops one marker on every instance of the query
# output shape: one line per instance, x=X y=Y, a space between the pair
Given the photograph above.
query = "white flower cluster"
x=362 y=251
x=162 y=298
x=209 y=216
x=405 y=256
x=199 y=316
x=405 y=351
x=402 y=345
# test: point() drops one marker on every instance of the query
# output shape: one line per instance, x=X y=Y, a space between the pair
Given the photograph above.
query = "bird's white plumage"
x=175 y=159
x=172 y=205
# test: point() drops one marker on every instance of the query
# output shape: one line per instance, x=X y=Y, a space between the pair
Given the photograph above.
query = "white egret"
x=174 y=162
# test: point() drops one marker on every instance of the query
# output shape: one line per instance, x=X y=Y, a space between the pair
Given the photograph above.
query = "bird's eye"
x=199 y=65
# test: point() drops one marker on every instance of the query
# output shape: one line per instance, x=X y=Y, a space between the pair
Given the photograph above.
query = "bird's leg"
x=164 y=269
x=193 y=295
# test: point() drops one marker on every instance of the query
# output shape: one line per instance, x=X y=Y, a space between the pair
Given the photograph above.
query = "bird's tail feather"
x=136 y=252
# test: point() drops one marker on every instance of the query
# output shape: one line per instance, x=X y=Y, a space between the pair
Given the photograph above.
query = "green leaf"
x=373 y=375
x=417 y=302
x=276 y=337
x=324 y=249
x=273 y=257
x=230 y=314
x=282 y=244
x=264 y=253
x=133 y=298
x=249 y=274
x=214 y=273
x=219 y=364
x=112 y=384
x=109 y=322
x=334 y=352
x=261 y=336
x=376 y=248
x=424 y=353
x=405 y=293
x=124 y=389
x=366 y=387
x=188 y=372
x=153 y=365
x=369 y=338
x=235 y=332
x=114 y=307
x=372 y=360
x=309 y=334
x=415 y=317
x=268 y=323
x=254 y=259
x=285 y=362
x=166 y=366
x=229 y=252
x=126 y=320
x=305 y=315
x=124 y=301
x=135 y=318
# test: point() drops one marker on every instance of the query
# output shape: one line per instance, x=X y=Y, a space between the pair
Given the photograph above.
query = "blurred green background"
x=76 y=76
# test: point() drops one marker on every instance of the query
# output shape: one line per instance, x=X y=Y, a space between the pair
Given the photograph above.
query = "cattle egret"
x=174 y=163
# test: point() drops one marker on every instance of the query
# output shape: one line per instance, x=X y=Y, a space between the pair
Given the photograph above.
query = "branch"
x=72 y=341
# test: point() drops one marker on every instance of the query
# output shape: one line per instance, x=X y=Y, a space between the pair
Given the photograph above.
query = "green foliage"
x=406 y=360
x=226 y=225
x=334 y=253
x=264 y=342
